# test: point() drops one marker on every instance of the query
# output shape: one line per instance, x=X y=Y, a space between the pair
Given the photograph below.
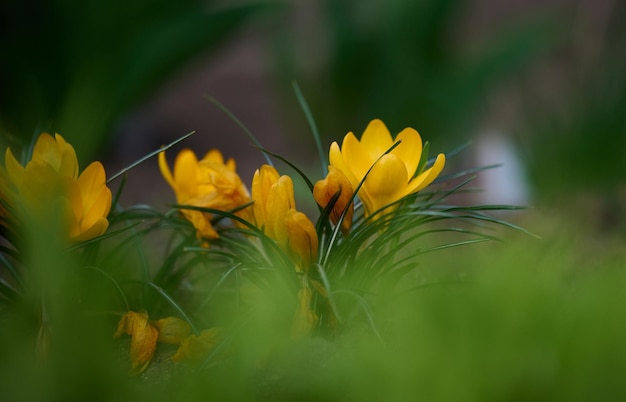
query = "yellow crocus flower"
x=145 y=334
x=274 y=212
x=301 y=238
x=324 y=190
x=208 y=183
x=393 y=175
x=51 y=179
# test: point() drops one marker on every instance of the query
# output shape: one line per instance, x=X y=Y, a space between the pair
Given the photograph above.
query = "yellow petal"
x=336 y=159
x=68 y=166
x=386 y=183
x=96 y=229
x=410 y=149
x=279 y=200
x=324 y=190
x=172 y=329
x=427 y=176
x=165 y=170
x=196 y=347
x=376 y=139
x=46 y=149
x=99 y=209
x=264 y=178
x=143 y=339
x=302 y=238
x=185 y=175
x=91 y=181
x=356 y=157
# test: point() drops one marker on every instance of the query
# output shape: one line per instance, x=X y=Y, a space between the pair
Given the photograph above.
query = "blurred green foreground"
x=523 y=320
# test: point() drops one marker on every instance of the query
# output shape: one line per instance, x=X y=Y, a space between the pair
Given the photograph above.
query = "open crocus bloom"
x=206 y=183
x=393 y=175
x=50 y=180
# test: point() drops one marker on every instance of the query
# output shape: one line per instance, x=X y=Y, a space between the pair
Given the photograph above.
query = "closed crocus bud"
x=302 y=238
x=273 y=197
x=336 y=184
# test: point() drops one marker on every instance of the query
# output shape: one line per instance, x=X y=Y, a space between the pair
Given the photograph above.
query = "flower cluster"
x=366 y=182
x=382 y=171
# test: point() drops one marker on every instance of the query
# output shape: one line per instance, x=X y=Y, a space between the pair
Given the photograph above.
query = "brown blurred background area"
x=544 y=78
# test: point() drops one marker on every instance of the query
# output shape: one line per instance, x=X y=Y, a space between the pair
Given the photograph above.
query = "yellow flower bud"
x=336 y=183
x=302 y=238
x=274 y=212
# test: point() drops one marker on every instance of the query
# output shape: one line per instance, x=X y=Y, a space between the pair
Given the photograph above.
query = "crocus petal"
x=427 y=176
x=279 y=200
x=264 y=178
x=143 y=341
x=185 y=175
x=386 y=182
x=410 y=149
x=46 y=149
x=357 y=159
x=172 y=329
x=324 y=190
x=96 y=229
x=165 y=170
x=91 y=181
x=336 y=159
x=196 y=347
x=302 y=237
x=376 y=139
x=98 y=210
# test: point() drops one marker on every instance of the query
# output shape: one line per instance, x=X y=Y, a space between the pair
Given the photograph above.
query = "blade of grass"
x=238 y=122
x=150 y=155
x=316 y=135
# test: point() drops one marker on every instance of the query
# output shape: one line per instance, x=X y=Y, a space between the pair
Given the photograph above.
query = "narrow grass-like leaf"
x=300 y=173
x=366 y=309
x=150 y=155
x=219 y=283
x=238 y=122
x=113 y=281
x=175 y=305
x=316 y=135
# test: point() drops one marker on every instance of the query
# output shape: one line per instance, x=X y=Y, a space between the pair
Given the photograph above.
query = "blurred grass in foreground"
x=526 y=319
